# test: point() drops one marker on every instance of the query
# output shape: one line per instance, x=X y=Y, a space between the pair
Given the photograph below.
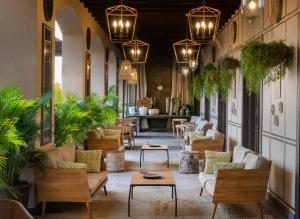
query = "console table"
x=164 y=118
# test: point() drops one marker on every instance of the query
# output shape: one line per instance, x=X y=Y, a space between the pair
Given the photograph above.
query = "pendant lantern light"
x=125 y=70
x=185 y=50
x=193 y=64
x=133 y=77
x=204 y=23
x=121 y=22
x=185 y=71
x=136 y=51
x=252 y=8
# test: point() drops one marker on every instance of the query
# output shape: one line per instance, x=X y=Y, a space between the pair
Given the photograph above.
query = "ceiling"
x=161 y=22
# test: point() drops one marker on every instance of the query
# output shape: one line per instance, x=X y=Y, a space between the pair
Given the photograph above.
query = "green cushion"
x=92 y=159
x=213 y=157
x=228 y=166
x=71 y=165
x=196 y=136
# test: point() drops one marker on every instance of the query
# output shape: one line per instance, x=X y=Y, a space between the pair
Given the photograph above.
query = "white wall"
x=72 y=67
x=18 y=45
x=278 y=143
x=112 y=69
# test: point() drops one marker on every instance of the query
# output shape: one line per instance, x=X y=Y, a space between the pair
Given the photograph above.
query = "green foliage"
x=196 y=87
x=17 y=128
x=75 y=117
x=211 y=79
x=261 y=62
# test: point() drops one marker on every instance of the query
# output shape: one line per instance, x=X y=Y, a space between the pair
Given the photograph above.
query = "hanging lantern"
x=136 y=51
x=185 y=71
x=121 y=22
x=125 y=70
x=185 y=50
x=204 y=23
x=193 y=63
x=133 y=79
x=252 y=8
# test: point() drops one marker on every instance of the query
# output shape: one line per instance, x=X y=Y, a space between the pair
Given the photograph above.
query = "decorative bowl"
x=153 y=112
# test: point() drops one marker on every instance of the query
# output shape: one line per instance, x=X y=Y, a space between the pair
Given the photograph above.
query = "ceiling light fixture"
x=252 y=8
x=186 y=50
x=125 y=70
x=136 y=51
x=203 y=23
x=133 y=77
x=121 y=23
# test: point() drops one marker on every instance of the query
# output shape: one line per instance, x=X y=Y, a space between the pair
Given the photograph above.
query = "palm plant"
x=18 y=127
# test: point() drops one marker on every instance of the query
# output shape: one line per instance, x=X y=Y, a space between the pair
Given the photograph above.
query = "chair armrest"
x=62 y=185
x=234 y=186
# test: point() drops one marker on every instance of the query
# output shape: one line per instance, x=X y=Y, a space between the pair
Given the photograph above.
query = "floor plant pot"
x=22 y=192
x=143 y=111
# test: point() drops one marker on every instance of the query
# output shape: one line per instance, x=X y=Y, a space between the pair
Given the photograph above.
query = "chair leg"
x=105 y=191
x=88 y=209
x=260 y=211
x=214 y=211
x=173 y=128
x=43 y=209
x=201 y=191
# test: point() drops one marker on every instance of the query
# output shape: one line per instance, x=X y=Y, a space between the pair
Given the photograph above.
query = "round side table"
x=189 y=162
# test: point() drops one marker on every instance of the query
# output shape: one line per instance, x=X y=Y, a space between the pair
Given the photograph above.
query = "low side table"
x=148 y=147
x=189 y=162
x=166 y=180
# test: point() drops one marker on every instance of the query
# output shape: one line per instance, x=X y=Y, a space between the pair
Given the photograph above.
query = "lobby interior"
x=149 y=109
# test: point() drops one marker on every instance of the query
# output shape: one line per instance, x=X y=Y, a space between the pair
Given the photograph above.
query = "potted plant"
x=211 y=78
x=18 y=128
x=196 y=87
x=264 y=63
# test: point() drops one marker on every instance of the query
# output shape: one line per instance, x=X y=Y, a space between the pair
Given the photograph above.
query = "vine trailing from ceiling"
x=264 y=63
x=212 y=80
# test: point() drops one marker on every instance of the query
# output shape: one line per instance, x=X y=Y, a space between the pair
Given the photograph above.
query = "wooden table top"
x=161 y=147
x=138 y=180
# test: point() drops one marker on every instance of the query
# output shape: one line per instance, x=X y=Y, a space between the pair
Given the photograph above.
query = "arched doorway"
x=97 y=67
x=69 y=59
x=112 y=69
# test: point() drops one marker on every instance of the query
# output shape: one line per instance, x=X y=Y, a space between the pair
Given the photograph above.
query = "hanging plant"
x=227 y=69
x=196 y=87
x=261 y=62
x=211 y=79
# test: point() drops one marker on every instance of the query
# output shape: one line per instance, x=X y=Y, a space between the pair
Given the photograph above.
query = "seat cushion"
x=67 y=152
x=250 y=161
x=239 y=153
x=210 y=187
x=71 y=165
x=93 y=185
x=205 y=177
x=195 y=136
x=92 y=159
x=102 y=176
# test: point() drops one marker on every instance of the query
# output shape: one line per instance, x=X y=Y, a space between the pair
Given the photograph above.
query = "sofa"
x=212 y=141
x=247 y=185
x=67 y=185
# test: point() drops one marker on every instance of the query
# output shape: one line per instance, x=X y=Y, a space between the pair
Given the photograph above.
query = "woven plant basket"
x=115 y=161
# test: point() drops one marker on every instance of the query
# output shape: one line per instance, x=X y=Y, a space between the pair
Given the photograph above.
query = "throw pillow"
x=71 y=165
x=227 y=166
x=193 y=136
x=213 y=157
x=92 y=159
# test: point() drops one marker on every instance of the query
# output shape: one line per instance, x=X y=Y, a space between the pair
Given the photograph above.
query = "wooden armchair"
x=241 y=186
x=11 y=209
x=216 y=144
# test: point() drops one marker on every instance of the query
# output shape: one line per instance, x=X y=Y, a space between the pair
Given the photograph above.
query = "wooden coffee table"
x=166 y=180
x=147 y=147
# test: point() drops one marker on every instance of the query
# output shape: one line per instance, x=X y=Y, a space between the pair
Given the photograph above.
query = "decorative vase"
x=153 y=112
x=132 y=110
x=187 y=112
x=143 y=110
x=181 y=112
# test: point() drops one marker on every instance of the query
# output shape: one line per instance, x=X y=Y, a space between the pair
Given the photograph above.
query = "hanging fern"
x=196 y=87
x=264 y=63
x=211 y=79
